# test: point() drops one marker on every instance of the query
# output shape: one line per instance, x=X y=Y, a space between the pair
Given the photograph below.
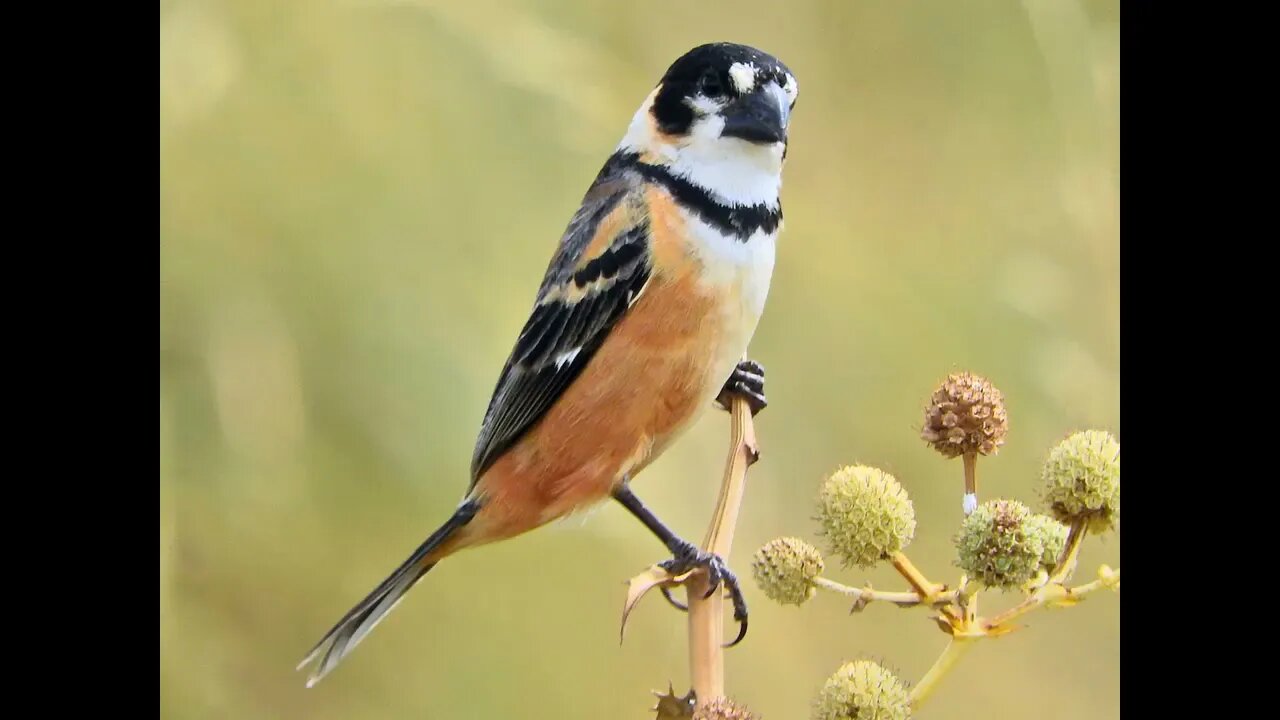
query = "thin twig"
x=970 y=482
x=1070 y=553
x=866 y=595
x=1050 y=594
x=1055 y=590
x=925 y=589
x=969 y=603
x=918 y=581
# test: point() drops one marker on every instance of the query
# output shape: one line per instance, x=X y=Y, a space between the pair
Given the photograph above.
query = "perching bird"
x=647 y=307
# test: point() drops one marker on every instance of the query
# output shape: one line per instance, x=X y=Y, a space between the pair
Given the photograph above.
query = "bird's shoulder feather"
x=599 y=270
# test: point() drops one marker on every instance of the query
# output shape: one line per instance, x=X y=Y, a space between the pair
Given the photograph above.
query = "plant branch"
x=932 y=594
x=706 y=614
x=950 y=654
x=866 y=595
x=970 y=481
x=919 y=582
x=971 y=630
x=1053 y=593
x=1071 y=552
x=969 y=602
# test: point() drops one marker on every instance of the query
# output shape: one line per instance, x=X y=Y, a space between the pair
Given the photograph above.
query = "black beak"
x=756 y=118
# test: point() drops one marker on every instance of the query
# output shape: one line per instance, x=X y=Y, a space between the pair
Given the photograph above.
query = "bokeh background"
x=357 y=202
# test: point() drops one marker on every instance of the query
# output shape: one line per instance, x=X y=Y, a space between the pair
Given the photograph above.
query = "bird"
x=640 y=324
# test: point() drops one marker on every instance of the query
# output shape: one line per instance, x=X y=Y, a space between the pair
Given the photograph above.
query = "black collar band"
x=740 y=222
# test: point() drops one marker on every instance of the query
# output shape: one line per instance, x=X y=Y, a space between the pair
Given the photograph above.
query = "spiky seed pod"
x=1055 y=538
x=785 y=568
x=865 y=514
x=674 y=707
x=966 y=414
x=1001 y=545
x=1081 y=479
x=860 y=690
x=722 y=708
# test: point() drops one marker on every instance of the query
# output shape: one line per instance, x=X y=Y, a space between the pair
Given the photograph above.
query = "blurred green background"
x=339 y=290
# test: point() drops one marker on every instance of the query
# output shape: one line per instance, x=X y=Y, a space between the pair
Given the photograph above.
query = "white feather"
x=728 y=262
x=734 y=171
x=792 y=88
x=567 y=357
x=743 y=76
x=735 y=269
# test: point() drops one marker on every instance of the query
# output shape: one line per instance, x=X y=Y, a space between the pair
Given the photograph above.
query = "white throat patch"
x=737 y=173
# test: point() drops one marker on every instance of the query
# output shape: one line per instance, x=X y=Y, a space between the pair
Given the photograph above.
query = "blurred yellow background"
x=357 y=202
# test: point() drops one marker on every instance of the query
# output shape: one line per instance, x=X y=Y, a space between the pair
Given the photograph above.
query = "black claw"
x=688 y=557
x=746 y=381
x=742 y=632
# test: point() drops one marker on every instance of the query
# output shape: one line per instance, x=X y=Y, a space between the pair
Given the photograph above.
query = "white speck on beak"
x=970 y=503
x=743 y=76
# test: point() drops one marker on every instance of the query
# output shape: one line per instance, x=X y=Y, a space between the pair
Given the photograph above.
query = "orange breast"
x=643 y=386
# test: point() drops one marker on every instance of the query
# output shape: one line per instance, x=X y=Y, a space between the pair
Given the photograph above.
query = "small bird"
x=640 y=324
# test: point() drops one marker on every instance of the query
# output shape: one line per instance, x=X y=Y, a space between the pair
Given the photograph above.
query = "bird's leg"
x=686 y=556
x=747 y=380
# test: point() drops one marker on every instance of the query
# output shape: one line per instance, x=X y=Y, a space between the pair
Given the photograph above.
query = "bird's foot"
x=688 y=557
x=746 y=381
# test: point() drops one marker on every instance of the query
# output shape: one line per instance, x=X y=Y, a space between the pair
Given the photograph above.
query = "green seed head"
x=1055 y=538
x=1081 y=479
x=862 y=690
x=785 y=569
x=1001 y=544
x=865 y=514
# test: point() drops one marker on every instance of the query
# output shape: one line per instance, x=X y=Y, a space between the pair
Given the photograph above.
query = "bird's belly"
x=662 y=366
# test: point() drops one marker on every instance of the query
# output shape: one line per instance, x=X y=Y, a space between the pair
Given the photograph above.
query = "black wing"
x=578 y=304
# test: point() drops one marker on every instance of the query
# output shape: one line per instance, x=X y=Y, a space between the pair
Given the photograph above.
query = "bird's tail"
x=365 y=616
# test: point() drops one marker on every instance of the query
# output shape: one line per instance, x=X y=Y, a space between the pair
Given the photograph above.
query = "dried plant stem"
x=1070 y=553
x=955 y=648
x=1052 y=593
x=869 y=595
x=971 y=473
x=969 y=603
x=917 y=579
x=925 y=589
x=706 y=615
x=706 y=635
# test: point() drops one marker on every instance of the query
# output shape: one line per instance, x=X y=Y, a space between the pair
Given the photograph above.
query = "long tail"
x=365 y=616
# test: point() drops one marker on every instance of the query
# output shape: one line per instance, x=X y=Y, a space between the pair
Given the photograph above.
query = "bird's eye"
x=710 y=84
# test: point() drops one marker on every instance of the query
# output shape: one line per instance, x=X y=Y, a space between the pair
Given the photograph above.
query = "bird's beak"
x=760 y=117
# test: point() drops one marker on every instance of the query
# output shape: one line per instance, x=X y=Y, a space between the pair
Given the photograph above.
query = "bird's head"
x=719 y=118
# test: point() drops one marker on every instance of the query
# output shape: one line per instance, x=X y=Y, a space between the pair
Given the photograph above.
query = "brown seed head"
x=965 y=415
x=723 y=708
